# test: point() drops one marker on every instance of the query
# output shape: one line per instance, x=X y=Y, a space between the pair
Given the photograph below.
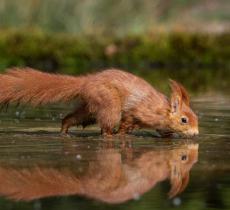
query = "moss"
x=77 y=54
x=143 y=55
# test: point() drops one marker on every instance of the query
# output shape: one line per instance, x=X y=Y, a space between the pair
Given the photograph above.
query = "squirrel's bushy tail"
x=27 y=85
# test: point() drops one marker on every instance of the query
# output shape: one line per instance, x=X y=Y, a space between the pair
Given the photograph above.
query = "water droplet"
x=176 y=201
x=136 y=196
x=78 y=157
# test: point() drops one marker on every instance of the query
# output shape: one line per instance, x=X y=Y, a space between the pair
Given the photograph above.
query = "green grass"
x=74 y=54
x=199 y=60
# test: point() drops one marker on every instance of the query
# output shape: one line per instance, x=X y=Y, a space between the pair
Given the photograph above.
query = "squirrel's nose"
x=193 y=132
x=197 y=132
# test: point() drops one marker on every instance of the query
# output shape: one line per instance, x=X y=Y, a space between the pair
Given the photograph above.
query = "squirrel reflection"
x=114 y=176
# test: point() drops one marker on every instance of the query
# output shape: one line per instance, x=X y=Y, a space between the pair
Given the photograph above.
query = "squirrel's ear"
x=185 y=95
x=183 y=92
x=175 y=180
x=176 y=97
x=185 y=181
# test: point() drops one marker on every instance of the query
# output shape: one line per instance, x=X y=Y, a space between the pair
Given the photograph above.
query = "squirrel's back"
x=131 y=88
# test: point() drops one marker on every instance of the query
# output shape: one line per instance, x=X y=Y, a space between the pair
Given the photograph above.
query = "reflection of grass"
x=175 y=51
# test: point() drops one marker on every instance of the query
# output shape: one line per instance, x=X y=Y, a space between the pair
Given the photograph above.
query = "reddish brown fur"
x=111 y=177
x=37 y=88
x=110 y=98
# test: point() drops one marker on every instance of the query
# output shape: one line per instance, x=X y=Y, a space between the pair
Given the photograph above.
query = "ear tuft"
x=176 y=97
x=180 y=89
x=175 y=87
x=185 y=95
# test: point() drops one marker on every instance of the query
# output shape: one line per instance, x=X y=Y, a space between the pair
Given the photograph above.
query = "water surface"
x=39 y=169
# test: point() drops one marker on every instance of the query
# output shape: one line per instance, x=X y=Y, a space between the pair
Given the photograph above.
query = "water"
x=39 y=169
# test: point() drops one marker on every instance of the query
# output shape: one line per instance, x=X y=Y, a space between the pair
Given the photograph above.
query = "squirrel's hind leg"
x=67 y=122
x=79 y=117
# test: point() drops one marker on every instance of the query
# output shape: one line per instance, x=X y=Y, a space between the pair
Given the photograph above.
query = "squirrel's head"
x=182 y=120
x=181 y=160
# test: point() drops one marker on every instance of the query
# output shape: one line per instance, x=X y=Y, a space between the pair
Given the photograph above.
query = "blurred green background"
x=152 y=38
x=186 y=40
x=115 y=17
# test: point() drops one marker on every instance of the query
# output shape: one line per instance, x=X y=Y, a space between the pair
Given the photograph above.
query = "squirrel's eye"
x=184 y=120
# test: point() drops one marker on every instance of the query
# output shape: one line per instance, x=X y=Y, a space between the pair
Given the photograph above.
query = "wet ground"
x=39 y=169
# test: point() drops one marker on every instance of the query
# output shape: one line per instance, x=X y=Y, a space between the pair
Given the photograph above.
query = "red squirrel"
x=110 y=98
x=110 y=175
